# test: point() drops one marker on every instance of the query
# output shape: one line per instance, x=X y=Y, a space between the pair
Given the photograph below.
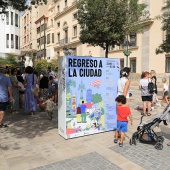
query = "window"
x=58 y=8
x=12 y=21
x=52 y=37
x=121 y=64
x=48 y=38
x=24 y=19
x=7 y=40
x=16 y=20
x=65 y=3
x=38 y=30
x=75 y=15
x=75 y=31
x=133 y=65
x=25 y=39
x=42 y=28
x=58 y=37
x=42 y=41
x=167 y=68
x=25 y=30
x=12 y=40
x=7 y=18
x=110 y=48
x=16 y=42
x=58 y=24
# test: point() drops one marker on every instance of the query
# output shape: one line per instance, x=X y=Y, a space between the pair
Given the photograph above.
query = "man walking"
x=5 y=94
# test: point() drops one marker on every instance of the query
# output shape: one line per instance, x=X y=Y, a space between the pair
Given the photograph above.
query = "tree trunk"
x=107 y=50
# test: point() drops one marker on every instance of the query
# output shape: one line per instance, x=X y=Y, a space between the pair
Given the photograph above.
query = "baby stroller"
x=145 y=131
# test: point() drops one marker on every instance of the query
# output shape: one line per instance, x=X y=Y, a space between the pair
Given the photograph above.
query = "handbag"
x=35 y=89
x=151 y=87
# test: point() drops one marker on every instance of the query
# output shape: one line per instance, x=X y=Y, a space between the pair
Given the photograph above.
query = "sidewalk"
x=32 y=142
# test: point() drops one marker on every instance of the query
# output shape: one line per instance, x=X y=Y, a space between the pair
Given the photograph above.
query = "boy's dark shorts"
x=147 y=98
x=3 y=106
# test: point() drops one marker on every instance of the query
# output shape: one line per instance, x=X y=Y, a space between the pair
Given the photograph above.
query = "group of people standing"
x=149 y=99
x=27 y=90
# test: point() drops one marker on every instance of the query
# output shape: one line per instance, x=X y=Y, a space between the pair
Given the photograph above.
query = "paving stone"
x=149 y=158
x=82 y=163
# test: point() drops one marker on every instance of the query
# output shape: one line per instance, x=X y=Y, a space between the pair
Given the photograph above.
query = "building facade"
x=67 y=31
x=61 y=33
x=143 y=45
x=10 y=33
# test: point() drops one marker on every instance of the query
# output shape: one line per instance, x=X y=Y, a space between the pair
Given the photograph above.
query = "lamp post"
x=127 y=52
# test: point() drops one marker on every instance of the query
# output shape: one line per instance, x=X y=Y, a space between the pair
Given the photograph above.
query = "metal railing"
x=64 y=41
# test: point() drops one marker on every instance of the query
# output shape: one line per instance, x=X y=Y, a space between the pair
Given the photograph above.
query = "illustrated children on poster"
x=83 y=112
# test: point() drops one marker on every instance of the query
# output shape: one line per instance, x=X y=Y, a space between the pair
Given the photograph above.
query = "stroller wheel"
x=160 y=139
x=130 y=141
x=159 y=146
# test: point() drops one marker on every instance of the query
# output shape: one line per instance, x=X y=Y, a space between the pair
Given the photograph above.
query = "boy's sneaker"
x=121 y=144
x=115 y=140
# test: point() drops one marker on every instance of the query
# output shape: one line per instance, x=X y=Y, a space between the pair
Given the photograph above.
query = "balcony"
x=64 y=41
x=51 y=26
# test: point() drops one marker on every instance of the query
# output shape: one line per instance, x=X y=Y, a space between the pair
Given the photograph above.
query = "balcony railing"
x=51 y=26
x=64 y=41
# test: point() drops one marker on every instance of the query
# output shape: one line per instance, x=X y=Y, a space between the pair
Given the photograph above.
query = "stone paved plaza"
x=32 y=142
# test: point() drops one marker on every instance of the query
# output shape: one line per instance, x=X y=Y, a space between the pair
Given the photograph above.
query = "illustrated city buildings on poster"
x=90 y=90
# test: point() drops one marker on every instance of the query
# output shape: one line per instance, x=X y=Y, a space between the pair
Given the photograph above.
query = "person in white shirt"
x=146 y=96
x=165 y=93
x=124 y=83
x=51 y=73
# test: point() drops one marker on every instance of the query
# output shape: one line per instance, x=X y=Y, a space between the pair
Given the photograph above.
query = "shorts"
x=122 y=126
x=166 y=93
x=147 y=98
x=3 y=106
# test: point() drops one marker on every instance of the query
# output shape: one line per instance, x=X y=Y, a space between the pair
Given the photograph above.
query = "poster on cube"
x=86 y=95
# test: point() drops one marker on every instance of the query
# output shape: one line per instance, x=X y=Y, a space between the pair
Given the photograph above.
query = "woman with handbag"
x=146 y=96
x=30 y=84
x=155 y=98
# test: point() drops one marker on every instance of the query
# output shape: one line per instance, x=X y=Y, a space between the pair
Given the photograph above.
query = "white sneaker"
x=152 y=108
x=158 y=104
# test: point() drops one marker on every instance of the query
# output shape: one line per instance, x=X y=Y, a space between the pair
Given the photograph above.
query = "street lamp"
x=127 y=52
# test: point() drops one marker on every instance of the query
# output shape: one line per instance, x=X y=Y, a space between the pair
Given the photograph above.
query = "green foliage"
x=165 y=18
x=96 y=98
x=19 y=5
x=43 y=65
x=106 y=22
x=10 y=60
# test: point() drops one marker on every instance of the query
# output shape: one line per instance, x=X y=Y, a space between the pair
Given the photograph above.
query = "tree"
x=10 y=61
x=165 y=46
x=41 y=65
x=105 y=23
x=96 y=98
x=19 y=5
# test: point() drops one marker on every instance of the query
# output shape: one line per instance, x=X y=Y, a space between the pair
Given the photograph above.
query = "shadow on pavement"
x=23 y=125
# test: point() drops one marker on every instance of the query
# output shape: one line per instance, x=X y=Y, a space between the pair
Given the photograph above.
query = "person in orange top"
x=123 y=112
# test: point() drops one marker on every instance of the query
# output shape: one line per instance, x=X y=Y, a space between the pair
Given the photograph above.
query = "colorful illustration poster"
x=90 y=89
